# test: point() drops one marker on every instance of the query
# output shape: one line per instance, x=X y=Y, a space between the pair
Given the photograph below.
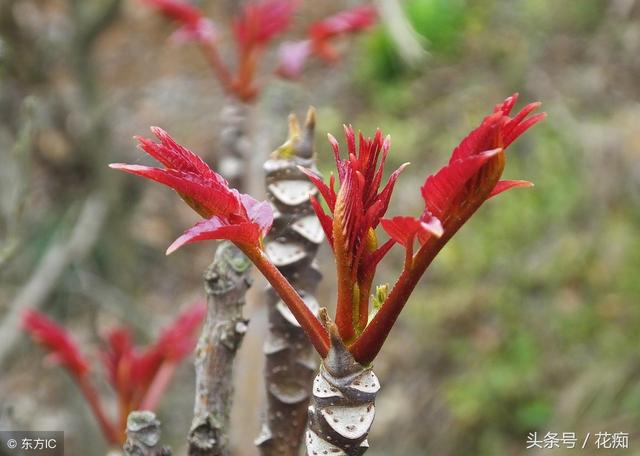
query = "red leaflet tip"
x=503 y=186
x=158 y=131
x=386 y=144
x=175 y=245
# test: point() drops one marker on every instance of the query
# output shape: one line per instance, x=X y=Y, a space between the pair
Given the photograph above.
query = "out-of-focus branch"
x=292 y=245
x=100 y=21
x=226 y=282
x=14 y=187
x=408 y=43
x=235 y=144
x=143 y=436
x=51 y=267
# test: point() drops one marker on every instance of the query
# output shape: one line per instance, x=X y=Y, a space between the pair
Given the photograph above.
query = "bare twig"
x=226 y=282
x=14 y=176
x=143 y=436
x=53 y=264
x=292 y=245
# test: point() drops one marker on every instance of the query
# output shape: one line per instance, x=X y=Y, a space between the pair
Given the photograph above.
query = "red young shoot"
x=228 y=215
x=356 y=208
x=256 y=26
x=451 y=196
x=138 y=377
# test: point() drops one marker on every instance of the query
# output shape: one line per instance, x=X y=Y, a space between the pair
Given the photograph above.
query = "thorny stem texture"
x=343 y=404
x=292 y=244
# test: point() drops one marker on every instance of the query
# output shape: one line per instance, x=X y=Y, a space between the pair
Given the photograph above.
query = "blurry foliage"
x=440 y=22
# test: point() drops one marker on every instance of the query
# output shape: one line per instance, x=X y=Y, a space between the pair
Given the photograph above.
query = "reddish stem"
x=312 y=327
x=367 y=346
x=364 y=286
x=219 y=68
x=92 y=397
x=158 y=385
x=243 y=83
x=467 y=201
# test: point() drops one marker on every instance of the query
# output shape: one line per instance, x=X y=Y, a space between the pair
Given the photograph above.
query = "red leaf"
x=261 y=21
x=325 y=221
x=442 y=188
x=216 y=229
x=404 y=230
x=348 y=21
x=292 y=56
x=194 y=25
x=233 y=216
x=178 y=340
x=63 y=350
x=498 y=130
x=328 y=193
x=207 y=197
x=503 y=186
x=174 y=156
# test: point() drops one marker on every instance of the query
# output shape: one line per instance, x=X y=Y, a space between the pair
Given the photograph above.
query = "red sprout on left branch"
x=139 y=376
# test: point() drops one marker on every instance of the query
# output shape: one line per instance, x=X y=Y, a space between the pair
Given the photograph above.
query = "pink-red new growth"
x=321 y=36
x=228 y=213
x=356 y=211
x=58 y=342
x=256 y=26
x=194 y=26
x=356 y=208
x=138 y=376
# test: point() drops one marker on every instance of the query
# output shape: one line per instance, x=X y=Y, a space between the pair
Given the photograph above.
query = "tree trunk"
x=342 y=407
x=291 y=245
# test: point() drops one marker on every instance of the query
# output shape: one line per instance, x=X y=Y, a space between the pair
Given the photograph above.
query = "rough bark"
x=143 y=436
x=343 y=403
x=291 y=245
x=226 y=282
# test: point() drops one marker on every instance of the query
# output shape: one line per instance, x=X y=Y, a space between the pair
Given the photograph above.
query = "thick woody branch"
x=292 y=245
x=226 y=282
x=143 y=436
x=343 y=405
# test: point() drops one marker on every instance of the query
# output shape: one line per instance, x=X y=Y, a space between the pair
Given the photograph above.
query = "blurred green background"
x=528 y=321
